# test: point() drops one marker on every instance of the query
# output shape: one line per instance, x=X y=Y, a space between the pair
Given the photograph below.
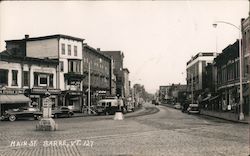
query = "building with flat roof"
x=67 y=50
x=118 y=57
x=195 y=72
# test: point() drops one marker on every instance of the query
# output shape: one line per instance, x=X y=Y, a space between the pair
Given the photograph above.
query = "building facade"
x=172 y=93
x=118 y=57
x=100 y=73
x=26 y=76
x=126 y=83
x=245 y=27
x=195 y=70
x=67 y=51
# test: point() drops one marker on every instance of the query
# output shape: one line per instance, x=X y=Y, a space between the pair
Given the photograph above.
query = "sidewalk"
x=225 y=115
x=222 y=115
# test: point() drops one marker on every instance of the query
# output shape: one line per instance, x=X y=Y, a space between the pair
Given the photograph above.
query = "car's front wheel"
x=12 y=117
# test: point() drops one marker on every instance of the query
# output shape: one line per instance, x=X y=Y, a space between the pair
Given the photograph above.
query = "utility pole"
x=89 y=91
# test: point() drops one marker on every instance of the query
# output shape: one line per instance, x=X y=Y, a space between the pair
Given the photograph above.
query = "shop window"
x=14 y=77
x=4 y=77
x=25 y=78
x=63 y=48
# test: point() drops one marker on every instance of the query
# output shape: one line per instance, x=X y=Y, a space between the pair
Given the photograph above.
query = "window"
x=14 y=77
x=25 y=78
x=75 y=50
x=63 y=48
x=51 y=80
x=61 y=65
x=43 y=80
x=69 y=49
x=35 y=79
x=75 y=66
x=4 y=77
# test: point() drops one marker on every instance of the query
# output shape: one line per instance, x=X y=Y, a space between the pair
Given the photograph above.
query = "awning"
x=215 y=97
x=19 y=98
x=205 y=99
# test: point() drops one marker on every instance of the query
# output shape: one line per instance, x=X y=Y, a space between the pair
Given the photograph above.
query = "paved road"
x=151 y=131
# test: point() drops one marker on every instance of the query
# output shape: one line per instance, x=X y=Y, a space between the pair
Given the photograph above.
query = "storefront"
x=11 y=99
x=73 y=99
x=37 y=95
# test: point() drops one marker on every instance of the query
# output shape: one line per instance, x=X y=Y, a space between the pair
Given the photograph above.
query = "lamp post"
x=241 y=115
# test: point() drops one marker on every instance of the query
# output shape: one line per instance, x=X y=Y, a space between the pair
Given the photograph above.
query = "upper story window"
x=43 y=79
x=75 y=50
x=25 y=78
x=4 y=77
x=75 y=66
x=63 y=48
x=14 y=77
x=69 y=49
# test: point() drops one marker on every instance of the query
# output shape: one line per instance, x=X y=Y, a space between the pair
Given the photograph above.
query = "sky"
x=156 y=37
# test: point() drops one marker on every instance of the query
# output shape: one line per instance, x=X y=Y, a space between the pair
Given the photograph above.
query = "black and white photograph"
x=125 y=78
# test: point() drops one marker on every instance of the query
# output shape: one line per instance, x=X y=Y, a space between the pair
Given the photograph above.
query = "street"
x=152 y=130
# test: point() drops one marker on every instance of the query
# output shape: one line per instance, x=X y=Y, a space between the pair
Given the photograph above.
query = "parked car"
x=193 y=109
x=177 y=106
x=23 y=112
x=61 y=111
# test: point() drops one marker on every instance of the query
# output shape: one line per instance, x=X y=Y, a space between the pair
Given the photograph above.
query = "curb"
x=235 y=121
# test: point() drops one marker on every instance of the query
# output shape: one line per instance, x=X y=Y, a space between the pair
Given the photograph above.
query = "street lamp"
x=192 y=84
x=241 y=116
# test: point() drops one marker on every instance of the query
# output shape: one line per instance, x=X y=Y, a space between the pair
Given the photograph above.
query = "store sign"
x=75 y=82
x=43 y=90
x=101 y=92
x=74 y=93
x=11 y=91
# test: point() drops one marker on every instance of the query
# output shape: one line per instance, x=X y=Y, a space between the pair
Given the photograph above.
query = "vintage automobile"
x=23 y=112
x=107 y=106
x=177 y=106
x=193 y=109
x=61 y=111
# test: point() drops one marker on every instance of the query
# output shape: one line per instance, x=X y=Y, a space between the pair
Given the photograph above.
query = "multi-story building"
x=164 y=94
x=126 y=83
x=245 y=25
x=67 y=50
x=195 y=70
x=227 y=66
x=172 y=93
x=100 y=73
x=117 y=56
x=26 y=76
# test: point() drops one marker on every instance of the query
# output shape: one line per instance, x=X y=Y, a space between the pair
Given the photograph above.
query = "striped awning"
x=19 y=98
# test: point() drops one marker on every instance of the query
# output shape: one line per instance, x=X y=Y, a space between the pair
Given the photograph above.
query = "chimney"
x=26 y=36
